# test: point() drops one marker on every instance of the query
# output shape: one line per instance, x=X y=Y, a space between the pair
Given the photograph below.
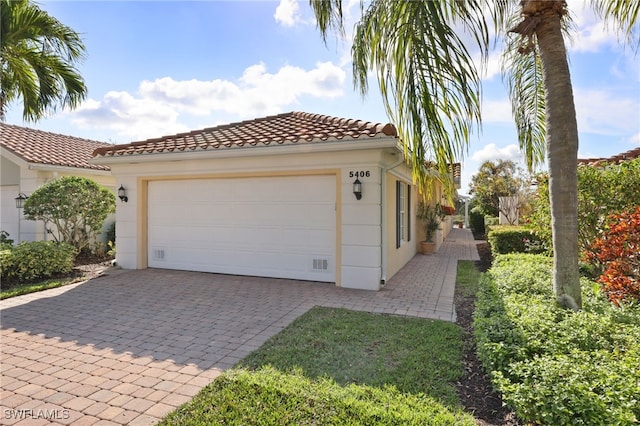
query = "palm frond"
x=38 y=55
x=623 y=16
x=522 y=73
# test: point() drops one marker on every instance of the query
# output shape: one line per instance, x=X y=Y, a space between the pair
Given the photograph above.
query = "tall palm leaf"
x=437 y=102
x=38 y=55
x=622 y=15
x=425 y=73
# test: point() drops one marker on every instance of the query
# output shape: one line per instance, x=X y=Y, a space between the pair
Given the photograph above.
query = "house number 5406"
x=361 y=173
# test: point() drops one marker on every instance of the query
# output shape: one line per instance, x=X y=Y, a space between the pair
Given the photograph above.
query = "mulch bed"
x=474 y=389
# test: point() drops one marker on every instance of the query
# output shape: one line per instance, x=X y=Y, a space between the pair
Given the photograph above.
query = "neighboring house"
x=274 y=197
x=616 y=159
x=28 y=159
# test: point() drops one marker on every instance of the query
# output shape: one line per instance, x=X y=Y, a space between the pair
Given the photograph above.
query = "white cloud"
x=256 y=92
x=130 y=117
x=497 y=111
x=603 y=112
x=492 y=152
x=288 y=13
x=160 y=104
x=592 y=34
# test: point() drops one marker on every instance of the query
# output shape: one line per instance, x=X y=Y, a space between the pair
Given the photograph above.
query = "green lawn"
x=335 y=366
x=468 y=278
x=20 y=289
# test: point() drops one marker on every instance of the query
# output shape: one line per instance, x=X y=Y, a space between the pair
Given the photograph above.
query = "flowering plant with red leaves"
x=617 y=251
x=449 y=210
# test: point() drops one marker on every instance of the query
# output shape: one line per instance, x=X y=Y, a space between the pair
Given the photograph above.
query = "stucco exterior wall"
x=397 y=257
x=359 y=239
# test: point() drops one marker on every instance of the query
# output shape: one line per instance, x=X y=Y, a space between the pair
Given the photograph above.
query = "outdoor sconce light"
x=20 y=199
x=122 y=194
x=357 y=189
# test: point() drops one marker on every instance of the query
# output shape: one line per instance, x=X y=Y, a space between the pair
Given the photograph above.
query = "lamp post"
x=20 y=199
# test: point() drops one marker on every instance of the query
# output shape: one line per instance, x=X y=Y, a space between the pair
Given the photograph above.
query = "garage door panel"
x=248 y=226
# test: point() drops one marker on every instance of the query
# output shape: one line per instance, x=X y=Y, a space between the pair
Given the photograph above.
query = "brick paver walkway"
x=130 y=347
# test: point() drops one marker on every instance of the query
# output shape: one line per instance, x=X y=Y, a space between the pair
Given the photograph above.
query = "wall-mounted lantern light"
x=357 y=189
x=122 y=194
x=20 y=199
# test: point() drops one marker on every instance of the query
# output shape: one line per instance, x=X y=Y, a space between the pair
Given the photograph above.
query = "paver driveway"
x=130 y=347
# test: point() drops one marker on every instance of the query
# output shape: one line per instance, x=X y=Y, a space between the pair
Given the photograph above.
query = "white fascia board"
x=67 y=169
x=331 y=146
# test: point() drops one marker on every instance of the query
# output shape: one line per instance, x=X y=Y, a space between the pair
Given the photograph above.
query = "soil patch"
x=474 y=389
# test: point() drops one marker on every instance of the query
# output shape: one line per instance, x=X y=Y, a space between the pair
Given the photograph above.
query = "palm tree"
x=431 y=88
x=37 y=58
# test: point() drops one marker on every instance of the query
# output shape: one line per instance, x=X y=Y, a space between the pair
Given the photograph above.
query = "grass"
x=335 y=366
x=468 y=278
x=20 y=289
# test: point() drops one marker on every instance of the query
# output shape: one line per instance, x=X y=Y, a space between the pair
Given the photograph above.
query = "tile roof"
x=283 y=129
x=616 y=159
x=36 y=146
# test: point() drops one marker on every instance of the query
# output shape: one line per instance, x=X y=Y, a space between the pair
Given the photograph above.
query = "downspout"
x=383 y=220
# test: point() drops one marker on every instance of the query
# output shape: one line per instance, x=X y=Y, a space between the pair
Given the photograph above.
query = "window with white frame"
x=403 y=213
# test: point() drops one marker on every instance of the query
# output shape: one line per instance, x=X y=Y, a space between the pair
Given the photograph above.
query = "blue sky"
x=162 y=67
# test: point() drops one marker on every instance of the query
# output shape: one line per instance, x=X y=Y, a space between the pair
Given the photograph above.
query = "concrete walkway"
x=130 y=347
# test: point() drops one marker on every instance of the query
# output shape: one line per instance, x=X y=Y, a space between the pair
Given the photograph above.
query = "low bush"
x=476 y=221
x=29 y=261
x=491 y=220
x=507 y=239
x=552 y=365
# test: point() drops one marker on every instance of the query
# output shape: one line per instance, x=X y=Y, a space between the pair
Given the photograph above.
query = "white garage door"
x=283 y=227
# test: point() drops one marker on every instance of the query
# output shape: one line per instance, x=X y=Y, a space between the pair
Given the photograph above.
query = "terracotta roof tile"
x=283 y=129
x=616 y=159
x=36 y=146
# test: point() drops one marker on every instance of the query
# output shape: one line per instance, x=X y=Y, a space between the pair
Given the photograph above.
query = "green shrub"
x=5 y=240
x=552 y=365
x=73 y=209
x=602 y=191
x=513 y=239
x=29 y=261
x=491 y=220
x=476 y=221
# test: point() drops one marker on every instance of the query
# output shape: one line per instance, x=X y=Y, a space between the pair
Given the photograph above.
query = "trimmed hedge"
x=505 y=239
x=476 y=221
x=29 y=261
x=556 y=366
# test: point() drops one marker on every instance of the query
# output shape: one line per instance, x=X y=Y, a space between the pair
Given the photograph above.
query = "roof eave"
x=68 y=169
x=22 y=162
x=267 y=150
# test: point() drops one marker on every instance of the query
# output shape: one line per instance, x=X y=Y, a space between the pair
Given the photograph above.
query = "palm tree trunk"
x=562 y=156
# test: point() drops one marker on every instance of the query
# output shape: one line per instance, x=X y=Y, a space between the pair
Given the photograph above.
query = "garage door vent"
x=158 y=254
x=320 y=264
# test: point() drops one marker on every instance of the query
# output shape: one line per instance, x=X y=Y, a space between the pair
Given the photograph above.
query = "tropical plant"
x=602 y=191
x=73 y=209
x=38 y=55
x=430 y=216
x=431 y=88
x=496 y=179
